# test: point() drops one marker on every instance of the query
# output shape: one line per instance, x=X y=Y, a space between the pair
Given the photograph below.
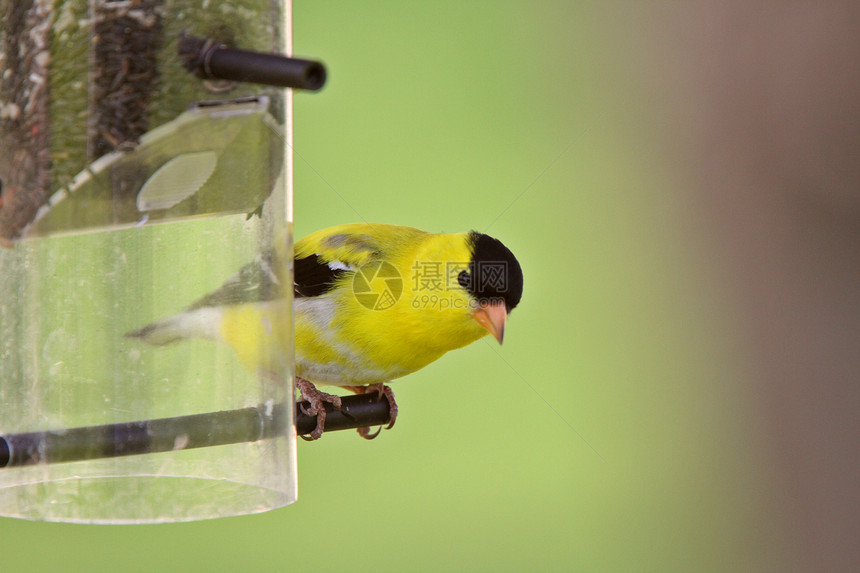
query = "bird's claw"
x=364 y=432
x=316 y=400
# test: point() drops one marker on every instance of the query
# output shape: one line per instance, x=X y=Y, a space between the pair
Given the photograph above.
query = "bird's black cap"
x=494 y=272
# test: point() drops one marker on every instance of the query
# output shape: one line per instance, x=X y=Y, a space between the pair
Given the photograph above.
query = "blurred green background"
x=610 y=432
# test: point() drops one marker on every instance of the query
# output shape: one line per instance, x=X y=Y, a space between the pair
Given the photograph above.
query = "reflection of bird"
x=372 y=303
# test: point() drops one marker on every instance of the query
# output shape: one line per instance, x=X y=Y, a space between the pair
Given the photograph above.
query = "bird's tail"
x=156 y=333
x=198 y=323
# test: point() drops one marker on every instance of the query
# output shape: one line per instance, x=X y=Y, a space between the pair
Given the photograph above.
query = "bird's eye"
x=465 y=279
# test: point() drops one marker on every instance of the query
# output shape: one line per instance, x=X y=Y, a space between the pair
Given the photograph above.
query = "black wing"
x=258 y=281
x=312 y=277
x=255 y=282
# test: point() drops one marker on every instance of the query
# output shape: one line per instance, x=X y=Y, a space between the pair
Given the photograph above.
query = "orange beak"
x=492 y=317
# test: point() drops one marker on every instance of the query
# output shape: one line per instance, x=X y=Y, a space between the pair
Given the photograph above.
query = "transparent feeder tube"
x=139 y=226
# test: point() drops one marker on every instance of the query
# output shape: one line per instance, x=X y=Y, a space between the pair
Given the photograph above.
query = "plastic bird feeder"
x=129 y=189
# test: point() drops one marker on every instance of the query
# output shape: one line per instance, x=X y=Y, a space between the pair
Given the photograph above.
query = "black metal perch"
x=210 y=60
x=182 y=432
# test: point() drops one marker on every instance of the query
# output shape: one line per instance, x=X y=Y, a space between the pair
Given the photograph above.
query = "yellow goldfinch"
x=372 y=303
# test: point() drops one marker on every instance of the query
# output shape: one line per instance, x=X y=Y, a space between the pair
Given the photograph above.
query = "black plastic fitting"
x=210 y=60
x=184 y=432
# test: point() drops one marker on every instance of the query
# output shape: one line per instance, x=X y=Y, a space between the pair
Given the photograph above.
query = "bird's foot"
x=381 y=390
x=316 y=400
